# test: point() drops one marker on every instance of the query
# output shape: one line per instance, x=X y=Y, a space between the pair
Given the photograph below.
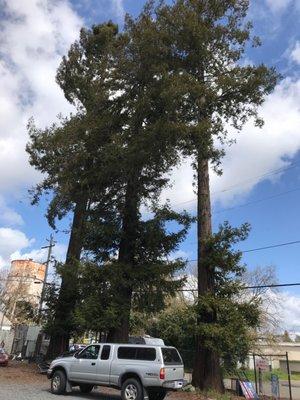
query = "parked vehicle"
x=76 y=347
x=3 y=358
x=139 y=371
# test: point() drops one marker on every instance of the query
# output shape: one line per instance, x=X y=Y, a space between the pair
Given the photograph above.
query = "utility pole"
x=49 y=247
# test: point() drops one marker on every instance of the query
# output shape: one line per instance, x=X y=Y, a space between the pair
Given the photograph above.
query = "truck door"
x=103 y=365
x=84 y=366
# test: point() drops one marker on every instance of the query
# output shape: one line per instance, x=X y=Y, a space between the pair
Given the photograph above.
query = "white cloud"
x=11 y=240
x=295 y=53
x=15 y=245
x=278 y=5
x=182 y=189
x=289 y=311
x=8 y=216
x=118 y=7
x=256 y=151
x=96 y=11
x=40 y=255
x=34 y=36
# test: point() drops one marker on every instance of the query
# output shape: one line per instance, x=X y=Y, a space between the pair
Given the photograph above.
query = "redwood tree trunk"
x=207 y=371
x=59 y=341
x=127 y=250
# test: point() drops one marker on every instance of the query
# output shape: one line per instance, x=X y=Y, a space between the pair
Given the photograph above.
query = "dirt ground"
x=22 y=373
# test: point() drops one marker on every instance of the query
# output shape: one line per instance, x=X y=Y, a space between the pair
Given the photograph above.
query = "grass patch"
x=212 y=394
x=266 y=375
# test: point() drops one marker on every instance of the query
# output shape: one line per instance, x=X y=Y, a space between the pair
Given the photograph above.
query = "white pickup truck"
x=140 y=371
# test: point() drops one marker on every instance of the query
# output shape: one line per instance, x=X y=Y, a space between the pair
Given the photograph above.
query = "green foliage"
x=25 y=312
x=168 y=86
x=286 y=337
x=72 y=153
x=266 y=375
x=152 y=279
x=232 y=332
x=176 y=325
x=212 y=89
x=229 y=333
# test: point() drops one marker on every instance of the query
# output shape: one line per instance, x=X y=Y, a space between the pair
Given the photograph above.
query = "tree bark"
x=207 y=371
x=59 y=341
x=127 y=250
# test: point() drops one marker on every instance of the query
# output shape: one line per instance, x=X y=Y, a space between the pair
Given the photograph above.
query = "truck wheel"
x=86 y=388
x=158 y=394
x=58 y=382
x=132 y=390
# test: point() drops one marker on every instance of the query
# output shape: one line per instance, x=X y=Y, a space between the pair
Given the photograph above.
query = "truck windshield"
x=171 y=356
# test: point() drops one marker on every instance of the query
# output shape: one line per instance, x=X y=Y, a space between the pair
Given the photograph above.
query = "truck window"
x=126 y=353
x=90 y=352
x=105 y=352
x=137 y=353
x=171 y=356
x=146 y=354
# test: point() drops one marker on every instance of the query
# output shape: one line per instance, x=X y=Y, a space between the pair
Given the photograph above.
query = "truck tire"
x=58 y=382
x=132 y=389
x=85 y=388
x=158 y=394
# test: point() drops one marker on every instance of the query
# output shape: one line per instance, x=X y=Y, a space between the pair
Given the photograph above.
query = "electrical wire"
x=257 y=201
x=251 y=287
x=272 y=246
x=260 y=248
x=271 y=172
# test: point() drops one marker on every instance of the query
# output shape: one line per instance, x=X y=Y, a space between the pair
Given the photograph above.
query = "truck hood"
x=65 y=358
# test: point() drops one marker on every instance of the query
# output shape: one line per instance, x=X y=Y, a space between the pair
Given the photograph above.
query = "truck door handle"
x=93 y=363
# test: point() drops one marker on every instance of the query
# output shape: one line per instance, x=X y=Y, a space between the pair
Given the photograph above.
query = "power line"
x=257 y=201
x=251 y=287
x=272 y=246
x=261 y=248
x=271 y=172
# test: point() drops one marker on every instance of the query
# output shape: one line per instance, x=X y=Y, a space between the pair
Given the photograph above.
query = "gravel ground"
x=33 y=392
x=21 y=381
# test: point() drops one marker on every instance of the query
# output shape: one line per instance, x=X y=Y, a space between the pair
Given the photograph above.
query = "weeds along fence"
x=272 y=375
x=266 y=376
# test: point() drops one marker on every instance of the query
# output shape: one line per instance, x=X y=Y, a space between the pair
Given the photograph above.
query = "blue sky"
x=35 y=35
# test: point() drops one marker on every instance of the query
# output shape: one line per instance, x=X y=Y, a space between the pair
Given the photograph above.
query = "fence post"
x=289 y=374
x=255 y=376
x=260 y=381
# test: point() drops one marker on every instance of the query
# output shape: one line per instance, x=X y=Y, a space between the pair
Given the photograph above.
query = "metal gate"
x=272 y=376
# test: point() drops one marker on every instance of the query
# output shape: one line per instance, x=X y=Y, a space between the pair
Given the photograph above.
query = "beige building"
x=275 y=355
x=28 y=275
x=24 y=283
